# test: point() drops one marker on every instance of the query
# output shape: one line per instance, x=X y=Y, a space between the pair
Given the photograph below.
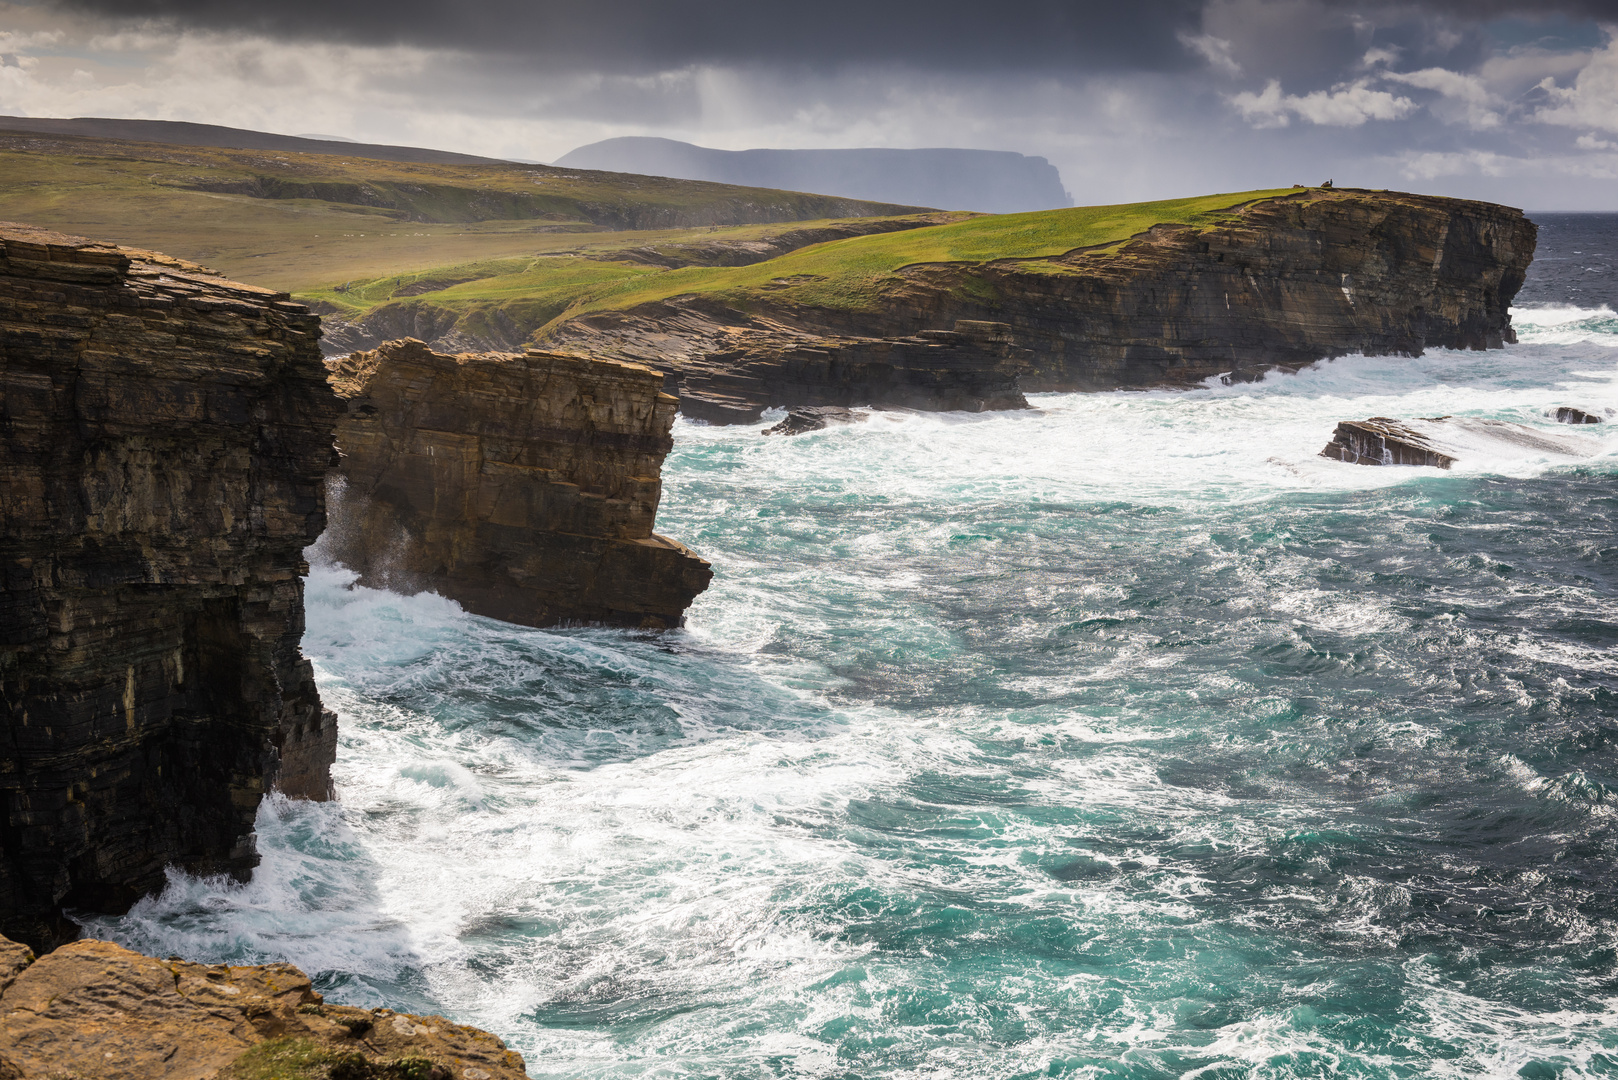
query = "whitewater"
x=1124 y=736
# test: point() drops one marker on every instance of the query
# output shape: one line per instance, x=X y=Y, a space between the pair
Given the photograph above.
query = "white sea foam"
x=767 y=845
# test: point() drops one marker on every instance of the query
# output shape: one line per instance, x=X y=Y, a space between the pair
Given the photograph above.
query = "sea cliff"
x=164 y=437
x=1279 y=282
x=524 y=486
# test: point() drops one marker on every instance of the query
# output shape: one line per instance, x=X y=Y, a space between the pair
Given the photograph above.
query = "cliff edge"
x=164 y=436
x=524 y=486
x=1279 y=281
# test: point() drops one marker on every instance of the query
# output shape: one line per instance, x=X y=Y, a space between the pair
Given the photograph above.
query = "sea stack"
x=524 y=486
x=166 y=435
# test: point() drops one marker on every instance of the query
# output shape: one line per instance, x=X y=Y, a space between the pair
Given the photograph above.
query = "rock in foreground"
x=95 y=1009
x=164 y=438
x=1440 y=441
x=523 y=486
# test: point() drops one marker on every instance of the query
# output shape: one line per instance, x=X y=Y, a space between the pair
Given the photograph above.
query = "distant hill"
x=178 y=133
x=992 y=181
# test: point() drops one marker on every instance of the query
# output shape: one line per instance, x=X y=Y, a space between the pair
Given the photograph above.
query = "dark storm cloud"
x=646 y=35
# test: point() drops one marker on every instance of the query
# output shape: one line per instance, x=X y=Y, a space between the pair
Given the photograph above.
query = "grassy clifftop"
x=299 y=221
x=843 y=274
x=503 y=251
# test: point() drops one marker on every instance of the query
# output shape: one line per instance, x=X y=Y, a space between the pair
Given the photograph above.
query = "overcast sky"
x=1511 y=101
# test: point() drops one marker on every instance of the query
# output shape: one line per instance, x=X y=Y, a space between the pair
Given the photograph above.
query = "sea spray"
x=1126 y=736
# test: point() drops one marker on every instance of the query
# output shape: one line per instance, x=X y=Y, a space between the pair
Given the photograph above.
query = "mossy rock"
x=308 y=1059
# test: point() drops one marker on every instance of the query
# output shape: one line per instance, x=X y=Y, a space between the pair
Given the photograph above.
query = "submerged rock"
x=1567 y=414
x=95 y=1009
x=1440 y=441
x=814 y=418
x=524 y=486
x=164 y=439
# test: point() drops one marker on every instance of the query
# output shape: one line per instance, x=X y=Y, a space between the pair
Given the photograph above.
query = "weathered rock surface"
x=1567 y=414
x=728 y=369
x=813 y=418
x=1383 y=441
x=1440 y=441
x=1282 y=283
x=164 y=436
x=93 y=1010
x=523 y=486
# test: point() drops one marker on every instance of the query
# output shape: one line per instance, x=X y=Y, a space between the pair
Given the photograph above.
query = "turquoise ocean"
x=1121 y=737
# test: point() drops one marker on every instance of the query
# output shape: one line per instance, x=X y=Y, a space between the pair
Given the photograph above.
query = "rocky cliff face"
x=523 y=486
x=93 y=1009
x=1282 y=282
x=728 y=368
x=164 y=436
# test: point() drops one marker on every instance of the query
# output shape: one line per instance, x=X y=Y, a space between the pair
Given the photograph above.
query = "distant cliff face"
x=1280 y=283
x=164 y=435
x=523 y=486
x=989 y=181
x=1286 y=283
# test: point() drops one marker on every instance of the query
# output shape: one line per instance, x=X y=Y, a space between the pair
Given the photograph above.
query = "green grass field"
x=846 y=274
x=523 y=245
x=240 y=211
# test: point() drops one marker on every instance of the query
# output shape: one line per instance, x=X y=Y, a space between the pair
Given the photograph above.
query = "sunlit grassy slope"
x=841 y=274
x=850 y=273
x=301 y=221
x=519 y=245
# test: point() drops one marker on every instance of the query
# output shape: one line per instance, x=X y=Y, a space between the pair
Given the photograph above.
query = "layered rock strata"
x=94 y=1009
x=524 y=486
x=728 y=369
x=1279 y=283
x=1441 y=441
x=164 y=436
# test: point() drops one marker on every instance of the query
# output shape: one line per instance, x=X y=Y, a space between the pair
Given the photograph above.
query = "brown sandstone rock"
x=523 y=486
x=93 y=1009
x=164 y=435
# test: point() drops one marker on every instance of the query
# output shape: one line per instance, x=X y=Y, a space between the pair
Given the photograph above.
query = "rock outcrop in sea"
x=164 y=440
x=1441 y=441
x=94 y=1009
x=1280 y=283
x=524 y=486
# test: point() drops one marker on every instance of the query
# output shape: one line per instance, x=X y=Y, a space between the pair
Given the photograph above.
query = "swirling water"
x=1122 y=737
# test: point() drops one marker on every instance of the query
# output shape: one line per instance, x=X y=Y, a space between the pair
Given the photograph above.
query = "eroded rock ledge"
x=164 y=437
x=94 y=1009
x=524 y=486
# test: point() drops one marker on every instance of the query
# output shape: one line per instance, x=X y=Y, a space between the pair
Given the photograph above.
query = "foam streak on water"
x=1121 y=737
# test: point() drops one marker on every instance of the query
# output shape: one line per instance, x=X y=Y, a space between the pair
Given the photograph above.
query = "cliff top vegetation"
x=297 y=221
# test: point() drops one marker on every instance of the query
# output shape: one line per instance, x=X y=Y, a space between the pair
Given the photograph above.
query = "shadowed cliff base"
x=523 y=486
x=166 y=433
